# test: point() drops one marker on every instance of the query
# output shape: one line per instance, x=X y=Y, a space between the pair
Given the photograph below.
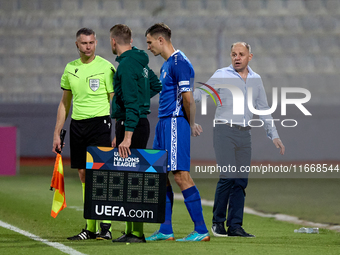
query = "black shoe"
x=129 y=238
x=218 y=229
x=83 y=235
x=239 y=232
x=105 y=233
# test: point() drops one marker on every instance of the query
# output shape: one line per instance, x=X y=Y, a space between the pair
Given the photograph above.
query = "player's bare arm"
x=190 y=111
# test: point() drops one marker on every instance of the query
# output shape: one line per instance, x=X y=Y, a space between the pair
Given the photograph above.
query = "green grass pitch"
x=25 y=202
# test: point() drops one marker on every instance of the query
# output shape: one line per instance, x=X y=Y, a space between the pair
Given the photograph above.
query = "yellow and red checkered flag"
x=57 y=182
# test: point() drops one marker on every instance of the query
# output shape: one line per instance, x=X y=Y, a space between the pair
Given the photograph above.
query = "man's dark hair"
x=121 y=33
x=159 y=29
x=85 y=31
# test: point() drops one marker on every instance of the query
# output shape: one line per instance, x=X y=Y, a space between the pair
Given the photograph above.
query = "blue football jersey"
x=177 y=76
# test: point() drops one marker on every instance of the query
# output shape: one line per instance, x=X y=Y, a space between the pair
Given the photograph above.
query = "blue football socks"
x=192 y=200
x=166 y=227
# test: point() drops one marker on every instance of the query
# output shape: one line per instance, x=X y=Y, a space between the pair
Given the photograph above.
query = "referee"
x=89 y=81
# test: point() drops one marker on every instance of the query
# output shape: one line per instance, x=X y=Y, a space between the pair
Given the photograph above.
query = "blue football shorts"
x=173 y=134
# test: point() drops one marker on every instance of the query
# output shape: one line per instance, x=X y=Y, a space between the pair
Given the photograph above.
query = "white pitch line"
x=280 y=217
x=77 y=208
x=59 y=246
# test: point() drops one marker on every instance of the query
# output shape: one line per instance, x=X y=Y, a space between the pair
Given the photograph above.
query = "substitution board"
x=130 y=189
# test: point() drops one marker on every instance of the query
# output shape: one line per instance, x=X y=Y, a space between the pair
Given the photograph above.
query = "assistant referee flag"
x=57 y=182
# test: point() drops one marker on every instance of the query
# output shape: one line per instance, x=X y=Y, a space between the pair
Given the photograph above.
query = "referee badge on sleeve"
x=94 y=84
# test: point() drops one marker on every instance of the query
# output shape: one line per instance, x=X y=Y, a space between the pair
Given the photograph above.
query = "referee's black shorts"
x=140 y=135
x=89 y=132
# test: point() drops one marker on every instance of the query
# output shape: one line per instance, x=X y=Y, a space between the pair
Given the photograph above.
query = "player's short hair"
x=159 y=29
x=85 y=31
x=121 y=33
x=247 y=45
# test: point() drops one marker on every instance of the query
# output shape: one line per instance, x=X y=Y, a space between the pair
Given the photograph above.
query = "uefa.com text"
x=121 y=212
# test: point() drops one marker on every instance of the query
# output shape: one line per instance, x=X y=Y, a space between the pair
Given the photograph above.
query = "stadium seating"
x=287 y=37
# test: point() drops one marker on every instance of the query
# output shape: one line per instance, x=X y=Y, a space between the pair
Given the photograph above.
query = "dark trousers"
x=233 y=150
x=140 y=135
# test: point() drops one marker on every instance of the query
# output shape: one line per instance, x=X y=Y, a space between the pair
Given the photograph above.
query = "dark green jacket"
x=134 y=84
